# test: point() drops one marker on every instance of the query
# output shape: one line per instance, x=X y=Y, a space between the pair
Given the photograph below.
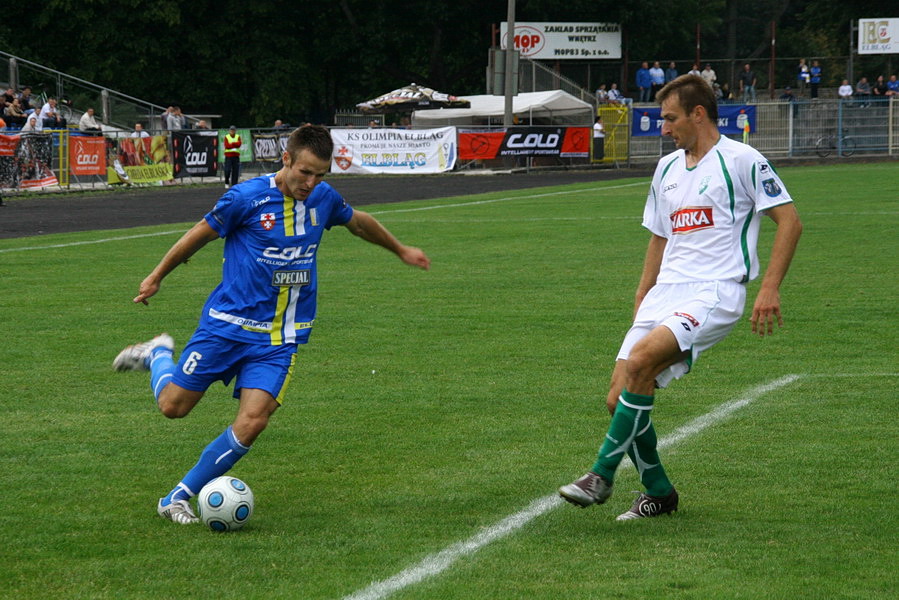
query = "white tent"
x=545 y=108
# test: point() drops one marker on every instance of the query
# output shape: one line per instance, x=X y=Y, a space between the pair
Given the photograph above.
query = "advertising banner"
x=559 y=41
x=87 y=155
x=564 y=142
x=25 y=161
x=268 y=147
x=878 y=36
x=376 y=150
x=138 y=160
x=731 y=120
x=195 y=153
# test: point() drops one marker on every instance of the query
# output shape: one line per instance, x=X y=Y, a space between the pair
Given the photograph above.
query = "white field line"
x=380 y=213
x=435 y=564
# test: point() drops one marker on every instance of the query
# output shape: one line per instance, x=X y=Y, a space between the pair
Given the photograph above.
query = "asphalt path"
x=41 y=213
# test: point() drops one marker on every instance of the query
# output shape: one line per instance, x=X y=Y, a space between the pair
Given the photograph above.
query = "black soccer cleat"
x=650 y=506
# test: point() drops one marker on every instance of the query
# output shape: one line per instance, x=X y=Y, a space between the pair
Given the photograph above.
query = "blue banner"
x=731 y=120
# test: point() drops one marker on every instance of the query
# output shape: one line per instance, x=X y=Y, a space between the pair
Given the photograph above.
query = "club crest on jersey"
x=771 y=188
x=692 y=218
x=267 y=220
x=704 y=184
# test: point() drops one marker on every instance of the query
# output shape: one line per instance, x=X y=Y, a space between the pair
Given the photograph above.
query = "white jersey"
x=710 y=213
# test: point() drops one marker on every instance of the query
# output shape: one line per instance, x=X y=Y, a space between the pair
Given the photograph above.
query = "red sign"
x=566 y=142
x=87 y=155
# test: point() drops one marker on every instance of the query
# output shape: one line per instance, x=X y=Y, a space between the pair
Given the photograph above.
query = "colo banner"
x=564 y=142
x=195 y=154
x=87 y=155
x=269 y=147
x=732 y=118
x=25 y=161
x=138 y=160
x=377 y=150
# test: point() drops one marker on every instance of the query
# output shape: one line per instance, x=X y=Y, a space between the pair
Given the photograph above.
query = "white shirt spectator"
x=845 y=90
x=88 y=122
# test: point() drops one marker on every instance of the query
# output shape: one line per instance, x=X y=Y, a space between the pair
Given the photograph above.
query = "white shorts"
x=699 y=314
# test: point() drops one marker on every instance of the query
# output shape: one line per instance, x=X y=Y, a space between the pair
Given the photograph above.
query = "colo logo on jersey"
x=692 y=218
x=267 y=220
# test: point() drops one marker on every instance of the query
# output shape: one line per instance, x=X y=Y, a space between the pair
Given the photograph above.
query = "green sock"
x=644 y=454
x=631 y=417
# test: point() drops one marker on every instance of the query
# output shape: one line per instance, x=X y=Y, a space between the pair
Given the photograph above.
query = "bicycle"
x=828 y=143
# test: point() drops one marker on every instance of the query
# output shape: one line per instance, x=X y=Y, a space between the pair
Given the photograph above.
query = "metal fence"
x=807 y=128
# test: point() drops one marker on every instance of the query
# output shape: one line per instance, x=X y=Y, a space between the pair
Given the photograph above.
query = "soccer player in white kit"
x=703 y=211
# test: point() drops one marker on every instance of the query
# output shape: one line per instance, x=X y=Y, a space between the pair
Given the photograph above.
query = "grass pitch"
x=430 y=406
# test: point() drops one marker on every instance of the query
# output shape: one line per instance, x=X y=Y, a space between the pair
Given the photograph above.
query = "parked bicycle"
x=827 y=144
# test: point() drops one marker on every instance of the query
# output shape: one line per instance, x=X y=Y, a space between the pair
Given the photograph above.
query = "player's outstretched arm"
x=369 y=229
x=196 y=237
x=766 y=309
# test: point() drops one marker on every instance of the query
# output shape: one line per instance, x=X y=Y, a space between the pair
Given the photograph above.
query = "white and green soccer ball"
x=225 y=503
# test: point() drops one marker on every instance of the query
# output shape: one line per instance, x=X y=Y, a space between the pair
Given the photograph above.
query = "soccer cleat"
x=650 y=506
x=589 y=489
x=177 y=511
x=136 y=357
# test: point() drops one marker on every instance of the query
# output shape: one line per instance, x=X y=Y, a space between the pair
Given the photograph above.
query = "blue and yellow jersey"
x=269 y=283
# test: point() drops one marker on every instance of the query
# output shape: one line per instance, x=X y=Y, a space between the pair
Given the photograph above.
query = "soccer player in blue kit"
x=263 y=308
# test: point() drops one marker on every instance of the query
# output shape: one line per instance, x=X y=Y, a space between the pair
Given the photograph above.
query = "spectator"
x=615 y=96
x=695 y=70
x=49 y=117
x=644 y=83
x=657 y=79
x=8 y=96
x=747 y=83
x=88 y=123
x=727 y=96
x=14 y=114
x=845 y=91
x=175 y=120
x=599 y=139
x=892 y=86
x=863 y=92
x=803 y=76
x=602 y=95
x=671 y=72
x=815 y=74
x=880 y=88
x=708 y=74
x=164 y=117
x=788 y=96
x=201 y=124
x=139 y=131
x=26 y=100
x=32 y=125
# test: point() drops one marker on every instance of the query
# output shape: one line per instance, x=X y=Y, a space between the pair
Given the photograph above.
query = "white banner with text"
x=385 y=150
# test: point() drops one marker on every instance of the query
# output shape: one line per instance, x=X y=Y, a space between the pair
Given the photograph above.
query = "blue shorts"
x=208 y=358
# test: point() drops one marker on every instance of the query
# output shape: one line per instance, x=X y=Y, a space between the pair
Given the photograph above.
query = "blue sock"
x=162 y=367
x=216 y=460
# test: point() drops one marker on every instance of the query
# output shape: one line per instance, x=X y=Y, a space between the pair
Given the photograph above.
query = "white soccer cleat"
x=136 y=357
x=177 y=511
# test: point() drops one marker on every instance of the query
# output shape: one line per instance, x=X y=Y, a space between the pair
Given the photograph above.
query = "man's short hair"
x=315 y=138
x=691 y=91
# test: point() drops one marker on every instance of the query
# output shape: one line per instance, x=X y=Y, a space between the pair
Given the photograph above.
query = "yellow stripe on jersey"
x=278 y=321
x=289 y=217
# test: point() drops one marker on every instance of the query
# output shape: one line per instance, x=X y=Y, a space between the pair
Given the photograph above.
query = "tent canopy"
x=551 y=107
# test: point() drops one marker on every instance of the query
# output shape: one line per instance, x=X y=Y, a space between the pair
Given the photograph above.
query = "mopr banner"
x=731 y=120
x=564 y=142
x=195 y=154
x=377 y=150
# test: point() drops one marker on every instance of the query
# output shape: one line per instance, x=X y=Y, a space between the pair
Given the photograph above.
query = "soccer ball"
x=225 y=503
